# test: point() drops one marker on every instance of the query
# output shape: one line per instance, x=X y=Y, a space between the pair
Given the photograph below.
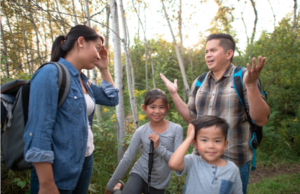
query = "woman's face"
x=91 y=53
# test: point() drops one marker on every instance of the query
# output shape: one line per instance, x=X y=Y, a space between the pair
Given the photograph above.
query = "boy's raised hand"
x=190 y=132
x=172 y=87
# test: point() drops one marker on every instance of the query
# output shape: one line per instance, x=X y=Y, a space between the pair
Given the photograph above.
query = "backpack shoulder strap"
x=64 y=81
x=199 y=82
x=238 y=83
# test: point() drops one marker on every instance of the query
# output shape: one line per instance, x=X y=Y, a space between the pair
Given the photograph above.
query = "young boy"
x=207 y=173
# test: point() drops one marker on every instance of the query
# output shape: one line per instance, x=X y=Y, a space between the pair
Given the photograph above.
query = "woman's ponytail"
x=57 y=50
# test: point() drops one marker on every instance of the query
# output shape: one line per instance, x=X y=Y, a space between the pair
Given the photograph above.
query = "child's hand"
x=190 y=132
x=155 y=138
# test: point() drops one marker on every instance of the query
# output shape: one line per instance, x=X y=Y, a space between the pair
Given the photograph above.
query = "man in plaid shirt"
x=217 y=97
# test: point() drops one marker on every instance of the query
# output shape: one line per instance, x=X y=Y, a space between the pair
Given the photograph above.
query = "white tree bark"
x=120 y=116
x=74 y=12
x=295 y=16
x=128 y=63
x=5 y=49
x=186 y=85
x=98 y=113
x=146 y=43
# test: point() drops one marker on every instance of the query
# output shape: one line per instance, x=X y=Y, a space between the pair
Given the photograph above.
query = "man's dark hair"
x=226 y=42
x=208 y=121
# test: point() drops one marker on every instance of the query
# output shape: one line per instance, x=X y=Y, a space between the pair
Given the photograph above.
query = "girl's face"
x=91 y=53
x=156 y=111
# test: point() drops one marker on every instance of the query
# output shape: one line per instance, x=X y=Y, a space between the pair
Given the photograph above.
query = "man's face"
x=215 y=57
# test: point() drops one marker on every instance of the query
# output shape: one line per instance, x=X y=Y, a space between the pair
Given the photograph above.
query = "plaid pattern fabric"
x=218 y=98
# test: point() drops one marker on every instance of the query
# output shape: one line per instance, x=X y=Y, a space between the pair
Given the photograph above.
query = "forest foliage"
x=28 y=29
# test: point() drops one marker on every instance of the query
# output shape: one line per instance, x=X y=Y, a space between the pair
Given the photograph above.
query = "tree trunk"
x=25 y=43
x=255 y=21
x=50 y=18
x=15 y=57
x=128 y=62
x=107 y=27
x=98 y=113
x=274 y=16
x=146 y=43
x=5 y=50
x=146 y=66
x=61 y=18
x=120 y=117
x=177 y=52
x=295 y=16
x=74 y=12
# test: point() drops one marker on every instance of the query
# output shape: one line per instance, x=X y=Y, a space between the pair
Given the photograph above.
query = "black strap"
x=199 y=82
x=150 y=164
x=64 y=82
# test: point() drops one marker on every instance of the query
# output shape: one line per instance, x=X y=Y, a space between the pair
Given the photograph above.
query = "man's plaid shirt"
x=218 y=98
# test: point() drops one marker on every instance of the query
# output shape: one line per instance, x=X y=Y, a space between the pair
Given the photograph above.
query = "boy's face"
x=210 y=143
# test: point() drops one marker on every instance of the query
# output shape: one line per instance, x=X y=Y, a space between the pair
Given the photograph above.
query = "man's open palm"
x=254 y=72
x=172 y=87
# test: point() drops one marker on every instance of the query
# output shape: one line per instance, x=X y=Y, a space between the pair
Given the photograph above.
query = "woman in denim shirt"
x=59 y=142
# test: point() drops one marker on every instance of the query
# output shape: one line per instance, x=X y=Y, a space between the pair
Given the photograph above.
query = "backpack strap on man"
x=64 y=81
x=238 y=86
x=199 y=82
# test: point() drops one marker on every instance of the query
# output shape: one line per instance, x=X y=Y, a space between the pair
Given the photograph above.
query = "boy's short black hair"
x=208 y=121
x=226 y=41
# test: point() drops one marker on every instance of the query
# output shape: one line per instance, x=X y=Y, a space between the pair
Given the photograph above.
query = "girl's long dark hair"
x=63 y=44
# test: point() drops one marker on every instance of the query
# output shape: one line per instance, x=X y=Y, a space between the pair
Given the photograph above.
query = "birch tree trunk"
x=98 y=114
x=107 y=27
x=128 y=62
x=120 y=116
x=148 y=48
x=295 y=16
x=181 y=44
x=61 y=18
x=274 y=16
x=74 y=12
x=177 y=52
x=25 y=43
x=255 y=21
x=5 y=49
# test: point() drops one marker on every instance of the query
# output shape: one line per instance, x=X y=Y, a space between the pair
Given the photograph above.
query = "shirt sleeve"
x=126 y=161
x=107 y=94
x=192 y=101
x=187 y=164
x=41 y=115
x=237 y=185
x=162 y=150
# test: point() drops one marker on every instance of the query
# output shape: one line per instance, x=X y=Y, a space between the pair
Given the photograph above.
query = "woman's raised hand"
x=102 y=63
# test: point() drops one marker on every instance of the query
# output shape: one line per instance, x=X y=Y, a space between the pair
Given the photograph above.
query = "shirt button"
x=213 y=172
x=75 y=97
x=30 y=134
x=216 y=178
x=213 y=166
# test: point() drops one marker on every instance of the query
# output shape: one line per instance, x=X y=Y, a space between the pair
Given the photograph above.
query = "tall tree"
x=98 y=114
x=74 y=12
x=120 y=116
x=147 y=45
x=255 y=21
x=295 y=16
x=186 y=85
x=5 y=49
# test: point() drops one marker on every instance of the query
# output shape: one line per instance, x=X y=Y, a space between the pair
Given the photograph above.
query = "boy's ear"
x=226 y=144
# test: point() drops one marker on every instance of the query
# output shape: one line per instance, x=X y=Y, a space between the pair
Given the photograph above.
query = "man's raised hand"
x=172 y=87
x=254 y=72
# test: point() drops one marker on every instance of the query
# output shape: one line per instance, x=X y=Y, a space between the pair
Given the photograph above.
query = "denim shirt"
x=59 y=135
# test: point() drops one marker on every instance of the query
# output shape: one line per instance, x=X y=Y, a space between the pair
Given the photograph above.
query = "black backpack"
x=14 y=105
x=256 y=130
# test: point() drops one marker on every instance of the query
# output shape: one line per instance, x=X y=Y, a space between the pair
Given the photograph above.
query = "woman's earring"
x=80 y=45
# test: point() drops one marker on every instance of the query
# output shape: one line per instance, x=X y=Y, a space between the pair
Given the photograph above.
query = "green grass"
x=281 y=184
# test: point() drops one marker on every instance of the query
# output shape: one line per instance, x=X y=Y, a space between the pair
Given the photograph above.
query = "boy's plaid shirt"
x=219 y=98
